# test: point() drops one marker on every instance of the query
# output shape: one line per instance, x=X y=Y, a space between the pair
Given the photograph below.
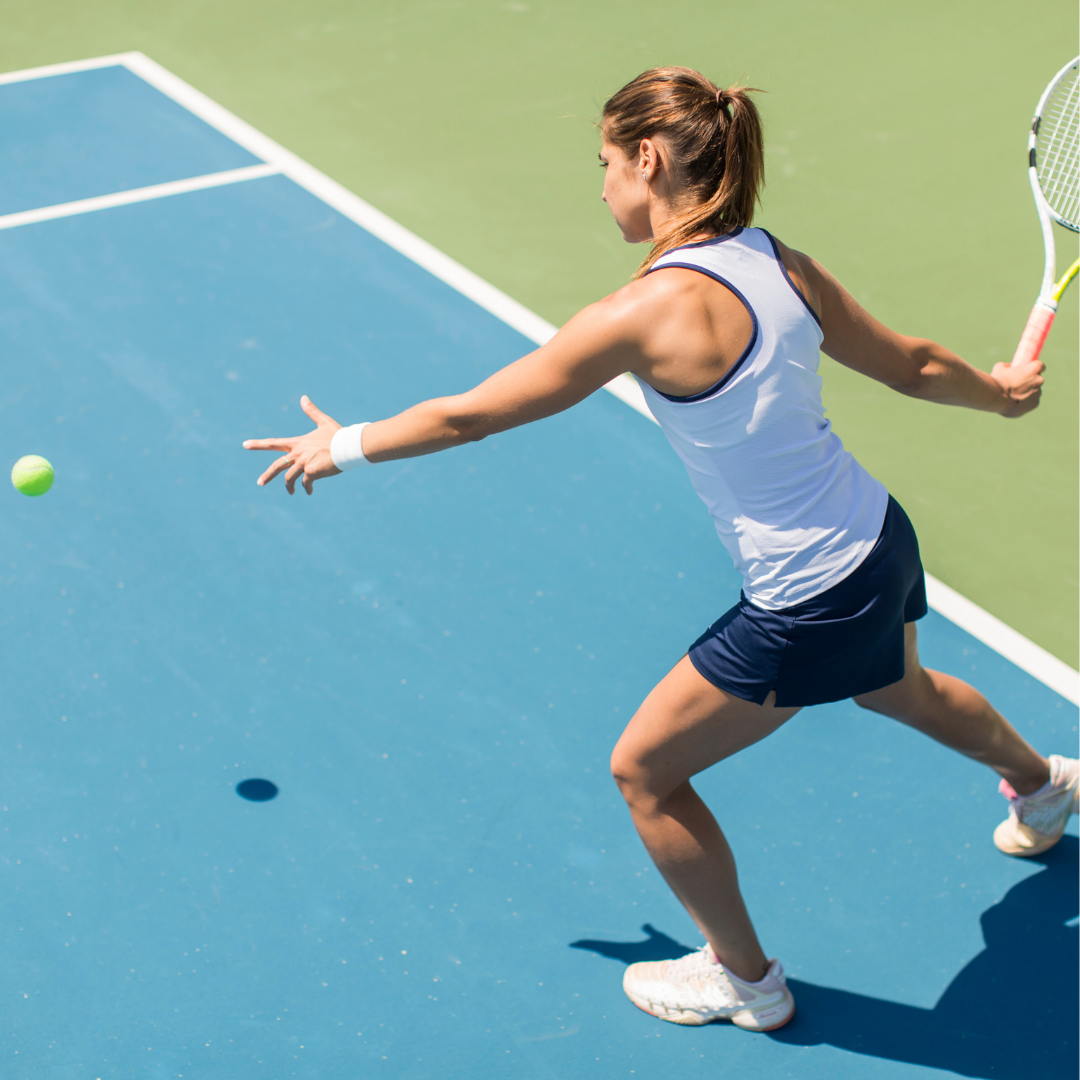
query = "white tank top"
x=794 y=509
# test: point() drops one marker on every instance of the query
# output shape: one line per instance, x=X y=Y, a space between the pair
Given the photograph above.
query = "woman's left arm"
x=914 y=366
x=595 y=346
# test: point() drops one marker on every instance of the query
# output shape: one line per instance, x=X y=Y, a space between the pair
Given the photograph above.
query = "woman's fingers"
x=306 y=456
x=1022 y=383
x=279 y=466
x=270 y=444
x=310 y=465
x=314 y=411
x=296 y=470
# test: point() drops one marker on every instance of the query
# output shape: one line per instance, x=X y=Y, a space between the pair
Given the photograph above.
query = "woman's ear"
x=650 y=159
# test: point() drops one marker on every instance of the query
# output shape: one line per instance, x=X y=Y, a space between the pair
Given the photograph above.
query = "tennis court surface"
x=431 y=660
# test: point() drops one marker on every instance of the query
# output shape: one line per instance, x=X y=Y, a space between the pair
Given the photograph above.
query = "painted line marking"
x=983 y=626
x=137 y=195
x=115 y=60
x=481 y=292
x=1002 y=638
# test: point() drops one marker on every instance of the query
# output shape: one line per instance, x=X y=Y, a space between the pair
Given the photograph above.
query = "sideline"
x=983 y=626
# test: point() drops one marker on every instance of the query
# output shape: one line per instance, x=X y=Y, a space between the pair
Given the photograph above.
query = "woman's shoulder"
x=671 y=294
x=647 y=295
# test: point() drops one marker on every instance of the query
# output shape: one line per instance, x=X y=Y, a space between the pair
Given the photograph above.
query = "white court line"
x=137 y=195
x=988 y=629
x=64 y=69
x=455 y=275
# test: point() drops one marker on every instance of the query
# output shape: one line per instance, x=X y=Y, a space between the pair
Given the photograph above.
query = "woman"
x=722 y=327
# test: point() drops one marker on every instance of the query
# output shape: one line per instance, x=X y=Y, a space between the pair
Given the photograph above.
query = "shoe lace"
x=692 y=967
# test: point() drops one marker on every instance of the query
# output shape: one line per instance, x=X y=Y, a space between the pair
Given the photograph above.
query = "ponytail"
x=714 y=143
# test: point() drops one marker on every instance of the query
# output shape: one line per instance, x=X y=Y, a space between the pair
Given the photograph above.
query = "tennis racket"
x=1054 y=171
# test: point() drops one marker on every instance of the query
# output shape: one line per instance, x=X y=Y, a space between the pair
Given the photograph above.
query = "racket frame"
x=1042 y=314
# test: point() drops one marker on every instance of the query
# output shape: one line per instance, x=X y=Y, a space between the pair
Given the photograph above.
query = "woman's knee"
x=625 y=768
x=635 y=780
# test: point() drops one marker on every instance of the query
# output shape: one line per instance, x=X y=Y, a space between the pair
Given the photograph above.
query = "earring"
x=645 y=176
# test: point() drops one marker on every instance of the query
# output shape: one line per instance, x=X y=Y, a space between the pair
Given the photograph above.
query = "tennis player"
x=722 y=327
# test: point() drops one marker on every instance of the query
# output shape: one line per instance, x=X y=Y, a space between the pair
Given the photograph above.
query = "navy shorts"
x=846 y=641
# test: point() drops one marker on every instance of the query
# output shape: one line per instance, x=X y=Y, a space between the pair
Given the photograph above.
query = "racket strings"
x=1057 y=152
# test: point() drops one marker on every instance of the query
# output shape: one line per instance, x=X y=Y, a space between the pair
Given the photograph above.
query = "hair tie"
x=720 y=102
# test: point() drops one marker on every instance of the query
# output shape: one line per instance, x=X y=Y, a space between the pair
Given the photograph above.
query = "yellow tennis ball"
x=32 y=475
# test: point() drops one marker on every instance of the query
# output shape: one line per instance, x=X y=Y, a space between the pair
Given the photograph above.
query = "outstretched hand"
x=306 y=456
x=1022 y=384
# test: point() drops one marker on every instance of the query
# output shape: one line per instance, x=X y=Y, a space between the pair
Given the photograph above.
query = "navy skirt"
x=846 y=641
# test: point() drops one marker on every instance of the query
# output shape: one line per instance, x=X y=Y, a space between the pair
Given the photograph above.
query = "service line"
x=137 y=195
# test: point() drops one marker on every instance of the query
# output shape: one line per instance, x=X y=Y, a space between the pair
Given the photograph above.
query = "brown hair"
x=714 y=143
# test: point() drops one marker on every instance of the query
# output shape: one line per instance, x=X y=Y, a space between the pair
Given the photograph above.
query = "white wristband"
x=346 y=447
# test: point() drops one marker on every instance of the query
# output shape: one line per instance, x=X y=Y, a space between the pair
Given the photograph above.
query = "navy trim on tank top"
x=702 y=243
x=787 y=277
x=726 y=377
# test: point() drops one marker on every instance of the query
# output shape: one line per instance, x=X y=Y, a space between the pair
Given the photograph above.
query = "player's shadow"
x=1010 y=1014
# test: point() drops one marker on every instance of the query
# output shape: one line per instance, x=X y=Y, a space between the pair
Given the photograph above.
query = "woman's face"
x=626 y=193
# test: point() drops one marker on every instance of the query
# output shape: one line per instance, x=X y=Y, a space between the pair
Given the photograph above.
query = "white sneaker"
x=696 y=989
x=1036 y=822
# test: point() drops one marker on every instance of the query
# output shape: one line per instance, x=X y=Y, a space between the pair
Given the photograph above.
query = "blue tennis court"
x=431 y=660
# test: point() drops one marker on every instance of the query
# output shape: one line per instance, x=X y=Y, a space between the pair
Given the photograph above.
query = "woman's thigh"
x=904 y=700
x=684 y=726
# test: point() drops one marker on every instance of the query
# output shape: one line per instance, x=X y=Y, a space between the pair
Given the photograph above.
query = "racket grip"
x=1038 y=326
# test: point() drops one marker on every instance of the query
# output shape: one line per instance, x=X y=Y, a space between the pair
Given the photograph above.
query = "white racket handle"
x=1038 y=326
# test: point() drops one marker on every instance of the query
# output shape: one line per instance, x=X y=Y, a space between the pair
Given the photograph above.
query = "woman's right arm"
x=594 y=347
x=914 y=366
